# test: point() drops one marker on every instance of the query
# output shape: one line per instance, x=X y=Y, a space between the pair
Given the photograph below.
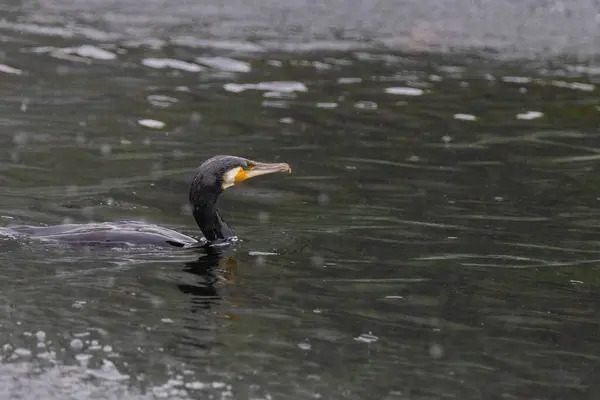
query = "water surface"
x=437 y=239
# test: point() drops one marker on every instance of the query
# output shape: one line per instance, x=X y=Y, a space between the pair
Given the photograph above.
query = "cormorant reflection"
x=217 y=266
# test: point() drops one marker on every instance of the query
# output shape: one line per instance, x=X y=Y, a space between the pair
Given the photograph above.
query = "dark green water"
x=439 y=239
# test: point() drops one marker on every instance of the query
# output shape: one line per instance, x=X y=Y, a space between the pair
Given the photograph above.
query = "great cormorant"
x=211 y=179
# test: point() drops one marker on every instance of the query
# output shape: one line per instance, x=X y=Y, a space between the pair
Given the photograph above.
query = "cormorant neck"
x=207 y=216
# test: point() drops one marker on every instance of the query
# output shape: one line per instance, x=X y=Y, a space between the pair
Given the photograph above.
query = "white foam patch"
x=224 y=64
x=586 y=87
x=465 y=117
x=161 y=100
x=530 y=115
x=404 y=91
x=62 y=382
x=349 y=80
x=327 y=105
x=280 y=86
x=160 y=63
x=44 y=30
x=22 y=352
x=516 y=79
x=262 y=253
x=10 y=70
x=279 y=95
x=88 y=51
x=231 y=45
x=584 y=69
x=151 y=123
x=366 y=338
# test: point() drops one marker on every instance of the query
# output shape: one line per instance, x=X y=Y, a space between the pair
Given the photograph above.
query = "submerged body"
x=212 y=178
x=120 y=233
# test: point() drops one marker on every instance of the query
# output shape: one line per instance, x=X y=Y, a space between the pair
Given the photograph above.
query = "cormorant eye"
x=248 y=165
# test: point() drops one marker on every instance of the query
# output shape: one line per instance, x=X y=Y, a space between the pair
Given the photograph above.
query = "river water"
x=438 y=237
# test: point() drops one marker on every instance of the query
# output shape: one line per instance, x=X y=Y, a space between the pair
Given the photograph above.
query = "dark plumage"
x=211 y=179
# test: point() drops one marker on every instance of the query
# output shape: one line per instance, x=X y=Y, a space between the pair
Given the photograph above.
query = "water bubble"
x=522 y=90
x=178 y=154
x=156 y=170
x=88 y=212
x=76 y=344
x=446 y=139
x=195 y=117
x=24 y=105
x=67 y=220
x=62 y=70
x=260 y=260
x=107 y=349
x=20 y=139
x=105 y=150
x=166 y=320
x=80 y=138
x=40 y=335
x=286 y=120
x=186 y=209
x=263 y=217
x=436 y=351
x=323 y=198
x=126 y=142
x=110 y=202
x=317 y=260
x=71 y=190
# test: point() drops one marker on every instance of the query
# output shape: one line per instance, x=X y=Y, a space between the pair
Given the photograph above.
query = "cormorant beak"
x=257 y=168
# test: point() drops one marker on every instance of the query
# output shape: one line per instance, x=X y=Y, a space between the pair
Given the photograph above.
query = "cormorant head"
x=220 y=172
x=212 y=177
